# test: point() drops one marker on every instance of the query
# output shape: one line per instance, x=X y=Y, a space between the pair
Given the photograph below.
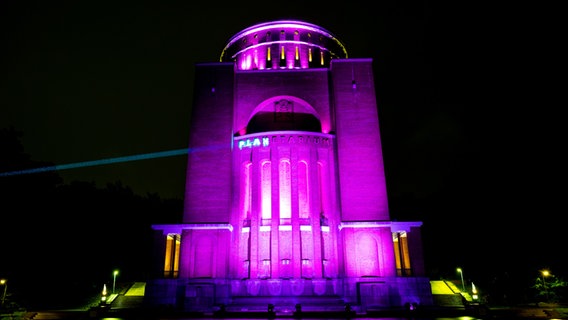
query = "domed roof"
x=286 y=37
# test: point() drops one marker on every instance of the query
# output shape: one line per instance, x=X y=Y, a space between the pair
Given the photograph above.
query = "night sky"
x=468 y=146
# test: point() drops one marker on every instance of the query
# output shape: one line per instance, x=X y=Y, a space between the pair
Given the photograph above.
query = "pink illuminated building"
x=286 y=199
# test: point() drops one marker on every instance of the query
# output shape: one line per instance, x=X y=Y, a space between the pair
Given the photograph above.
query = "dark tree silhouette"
x=64 y=240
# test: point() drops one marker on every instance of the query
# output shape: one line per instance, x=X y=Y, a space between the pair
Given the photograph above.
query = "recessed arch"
x=284 y=113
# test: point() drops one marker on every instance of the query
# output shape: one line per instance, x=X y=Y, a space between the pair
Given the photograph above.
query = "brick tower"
x=286 y=200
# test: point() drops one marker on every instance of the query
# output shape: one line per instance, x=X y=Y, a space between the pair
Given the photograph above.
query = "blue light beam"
x=146 y=156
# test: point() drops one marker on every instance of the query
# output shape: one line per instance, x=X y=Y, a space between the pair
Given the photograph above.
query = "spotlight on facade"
x=297 y=150
x=411 y=306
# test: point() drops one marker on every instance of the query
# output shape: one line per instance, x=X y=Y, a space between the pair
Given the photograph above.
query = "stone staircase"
x=446 y=293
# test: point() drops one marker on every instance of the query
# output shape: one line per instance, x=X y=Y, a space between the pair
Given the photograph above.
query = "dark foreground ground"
x=118 y=312
x=141 y=314
x=124 y=305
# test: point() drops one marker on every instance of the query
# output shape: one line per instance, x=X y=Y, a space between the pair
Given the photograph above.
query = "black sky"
x=87 y=81
x=466 y=146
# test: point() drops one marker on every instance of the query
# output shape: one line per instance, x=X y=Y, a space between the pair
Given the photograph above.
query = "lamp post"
x=461 y=274
x=114 y=280
x=4 y=282
x=545 y=273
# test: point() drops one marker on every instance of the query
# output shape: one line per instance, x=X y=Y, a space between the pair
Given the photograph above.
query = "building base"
x=286 y=296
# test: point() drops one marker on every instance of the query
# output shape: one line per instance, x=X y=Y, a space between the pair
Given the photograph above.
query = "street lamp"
x=114 y=280
x=4 y=282
x=461 y=274
x=545 y=273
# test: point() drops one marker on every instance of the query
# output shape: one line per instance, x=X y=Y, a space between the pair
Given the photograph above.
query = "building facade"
x=286 y=199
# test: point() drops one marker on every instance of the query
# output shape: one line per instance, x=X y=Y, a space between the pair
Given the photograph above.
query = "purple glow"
x=301 y=183
x=283 y=45
x=246 y=194
x=285 y=189
x=303 y=190
x=266 y=189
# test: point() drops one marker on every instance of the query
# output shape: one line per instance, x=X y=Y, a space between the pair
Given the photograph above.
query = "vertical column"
x=243 y=264
x=185 y=256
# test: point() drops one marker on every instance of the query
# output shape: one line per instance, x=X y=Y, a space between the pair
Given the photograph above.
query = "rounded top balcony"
x=283 y=44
